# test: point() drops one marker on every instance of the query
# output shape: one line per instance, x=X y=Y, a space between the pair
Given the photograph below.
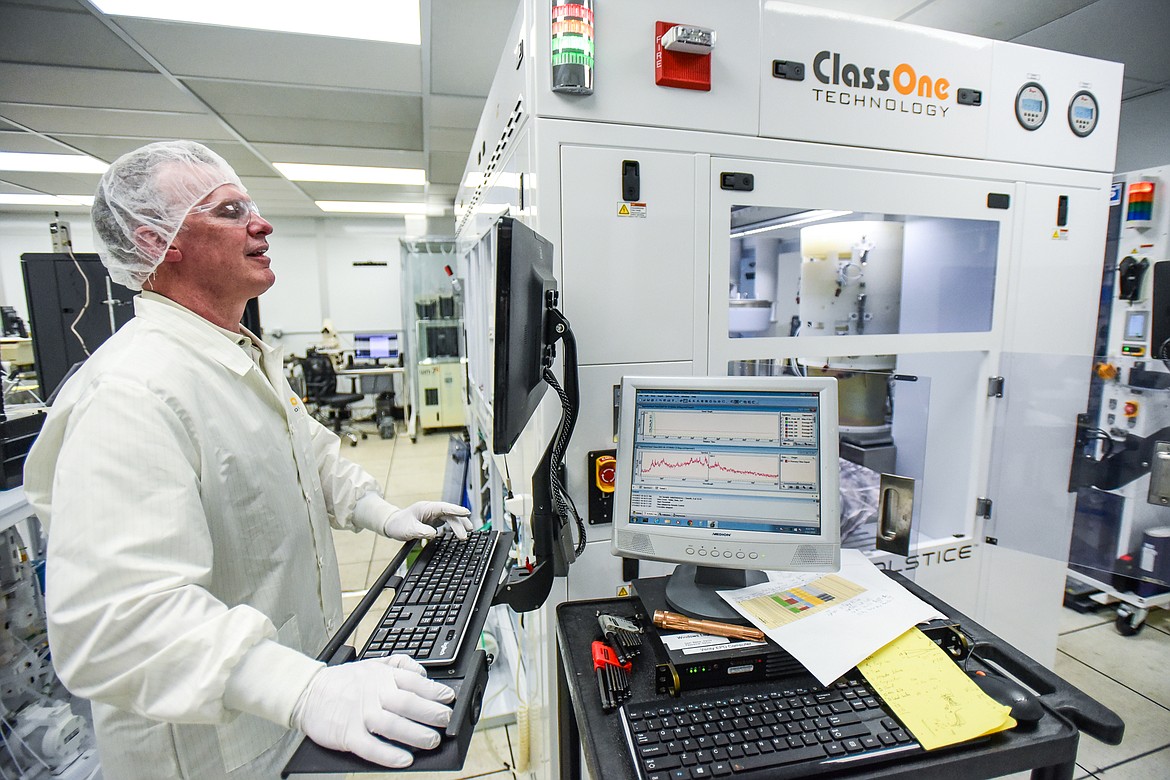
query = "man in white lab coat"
x=188 y=497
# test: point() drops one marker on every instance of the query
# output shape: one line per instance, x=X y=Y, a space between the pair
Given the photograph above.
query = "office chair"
x=332 y=407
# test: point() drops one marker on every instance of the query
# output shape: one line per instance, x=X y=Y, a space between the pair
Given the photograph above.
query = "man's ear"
x=153 y=244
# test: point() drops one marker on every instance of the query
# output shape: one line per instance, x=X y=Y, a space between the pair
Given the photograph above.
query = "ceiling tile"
x=54 y=183
x=446 y=167
x=1001 y=20
x=262 y=129
x=447 y=139
x=444 y=193
x=60 y=5
x=341 y=155
x=282 y=101
x=141 y=124
x=109 y=148
x=50 y=37
x=449 y=111
x=281 y=58
x=265 y=189
x=324 y=190
x=19 y=141
x=1129 y=31
x=875 y=9
x=11 y=189
x=467 y=41
x=37 y=84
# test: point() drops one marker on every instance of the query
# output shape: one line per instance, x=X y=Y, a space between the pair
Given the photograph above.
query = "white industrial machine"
x=1121 y=462
x=432 y=303
x=919 y=214
x=44 y=731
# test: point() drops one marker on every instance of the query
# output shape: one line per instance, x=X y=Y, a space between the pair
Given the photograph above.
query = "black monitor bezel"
x=524 y=280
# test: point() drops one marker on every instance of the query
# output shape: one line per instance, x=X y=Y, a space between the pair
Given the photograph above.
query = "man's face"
x=224 y=243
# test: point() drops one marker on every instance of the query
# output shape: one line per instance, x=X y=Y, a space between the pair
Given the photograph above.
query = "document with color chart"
x=831 y=622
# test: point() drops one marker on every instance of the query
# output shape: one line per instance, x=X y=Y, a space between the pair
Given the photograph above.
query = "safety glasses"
x=238 y=210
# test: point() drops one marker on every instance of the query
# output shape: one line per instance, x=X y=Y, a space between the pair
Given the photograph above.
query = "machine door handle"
x=895 y=514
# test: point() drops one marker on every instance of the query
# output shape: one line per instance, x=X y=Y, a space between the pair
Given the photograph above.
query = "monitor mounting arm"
x=526 y=588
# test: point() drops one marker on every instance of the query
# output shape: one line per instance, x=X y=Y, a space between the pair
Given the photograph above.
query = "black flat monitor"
x=375 y=347
x=524 y=281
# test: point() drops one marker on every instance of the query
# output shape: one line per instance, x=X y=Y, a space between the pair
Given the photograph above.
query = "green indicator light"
x=572 y=43
x=572 y=58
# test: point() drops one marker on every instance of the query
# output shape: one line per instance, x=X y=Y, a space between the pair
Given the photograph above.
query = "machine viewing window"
x=818 y=272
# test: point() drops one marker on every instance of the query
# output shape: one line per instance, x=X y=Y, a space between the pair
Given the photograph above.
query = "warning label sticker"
x=627 y=209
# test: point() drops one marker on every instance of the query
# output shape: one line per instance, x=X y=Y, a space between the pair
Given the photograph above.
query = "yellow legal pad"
x=935 y=699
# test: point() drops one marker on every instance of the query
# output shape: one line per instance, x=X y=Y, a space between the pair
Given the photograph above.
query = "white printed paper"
x=831 y=622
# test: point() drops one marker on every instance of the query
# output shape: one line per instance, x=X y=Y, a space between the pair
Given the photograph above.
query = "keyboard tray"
x=311 y=758
x=470 y=665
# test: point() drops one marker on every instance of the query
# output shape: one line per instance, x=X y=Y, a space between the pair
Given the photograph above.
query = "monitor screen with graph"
x=375 y=347
x=728 y=477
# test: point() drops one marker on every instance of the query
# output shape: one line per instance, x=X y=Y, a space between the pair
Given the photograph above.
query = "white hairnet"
x=152 y=187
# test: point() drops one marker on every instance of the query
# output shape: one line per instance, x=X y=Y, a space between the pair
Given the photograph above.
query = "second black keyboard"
x=786 y=730
x=432 y=607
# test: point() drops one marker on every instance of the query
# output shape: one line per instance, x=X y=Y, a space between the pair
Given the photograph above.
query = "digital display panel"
x=727 y=460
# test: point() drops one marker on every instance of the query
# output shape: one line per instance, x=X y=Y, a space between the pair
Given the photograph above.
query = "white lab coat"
x=188 y=504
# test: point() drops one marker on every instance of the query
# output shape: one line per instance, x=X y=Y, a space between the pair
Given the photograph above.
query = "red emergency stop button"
x=1131 y=409
x=604 y=473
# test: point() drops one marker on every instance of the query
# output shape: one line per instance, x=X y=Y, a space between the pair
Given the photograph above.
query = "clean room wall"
x=313 y=260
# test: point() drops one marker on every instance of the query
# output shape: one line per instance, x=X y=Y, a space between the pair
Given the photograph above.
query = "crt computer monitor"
x=727 y=477
x=524 y=279
x=375 y=346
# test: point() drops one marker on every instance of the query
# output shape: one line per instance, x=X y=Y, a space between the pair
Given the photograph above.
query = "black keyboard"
x=432 y=607
x=783 y=730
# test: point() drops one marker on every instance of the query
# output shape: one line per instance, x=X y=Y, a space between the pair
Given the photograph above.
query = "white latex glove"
x=418 y=521
x=344 y=707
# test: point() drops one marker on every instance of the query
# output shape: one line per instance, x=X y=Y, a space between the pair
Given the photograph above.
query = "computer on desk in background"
x=728 y=477
x=13 y=325
x=375 y=349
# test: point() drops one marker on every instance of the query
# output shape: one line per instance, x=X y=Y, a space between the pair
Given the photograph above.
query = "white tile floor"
x=1130 y=675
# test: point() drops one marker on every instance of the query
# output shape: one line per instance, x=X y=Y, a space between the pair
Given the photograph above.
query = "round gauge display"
x=1082 y=113
x=1031 y=106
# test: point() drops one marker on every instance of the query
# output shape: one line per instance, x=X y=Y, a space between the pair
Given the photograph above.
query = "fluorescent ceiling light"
x=475 y=179
x=392 y=21
x=802 y=218
x=351 y=174
x=379 y=207
x=45 y=200
x=51 y=163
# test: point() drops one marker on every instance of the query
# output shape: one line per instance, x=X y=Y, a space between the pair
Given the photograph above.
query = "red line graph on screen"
x=708 y=467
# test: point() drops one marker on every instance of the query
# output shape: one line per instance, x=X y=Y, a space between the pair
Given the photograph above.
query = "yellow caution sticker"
x=1060 y=234
x=628 y=209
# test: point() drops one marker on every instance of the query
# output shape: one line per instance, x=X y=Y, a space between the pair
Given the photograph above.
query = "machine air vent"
x=510 y=126
x=781 y=664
